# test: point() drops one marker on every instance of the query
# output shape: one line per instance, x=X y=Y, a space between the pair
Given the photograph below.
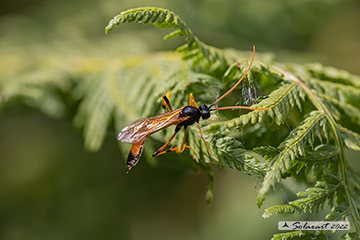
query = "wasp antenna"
x=231 y=89
x=239 y=107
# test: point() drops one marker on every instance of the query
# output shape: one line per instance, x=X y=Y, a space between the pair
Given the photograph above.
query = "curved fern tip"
x=160 y=17
x=109 y=27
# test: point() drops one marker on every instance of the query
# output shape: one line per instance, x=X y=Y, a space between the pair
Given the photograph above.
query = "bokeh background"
x=50 y=188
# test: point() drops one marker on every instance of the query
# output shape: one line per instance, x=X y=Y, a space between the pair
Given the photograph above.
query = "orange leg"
x=176 y=149
x=159 y=151
x=192 y=101
x=210 y=120
x=202 y=137
x=166 y=102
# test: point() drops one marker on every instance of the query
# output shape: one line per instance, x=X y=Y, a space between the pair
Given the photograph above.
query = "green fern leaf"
x=292 y=148
x=203 y=57
x=350 y=138
x=309 y=202
x=344 y=93
x=267 y=152
x=342 y=110
x=161 y=18
x=280 y=103
x=111 y=93
x=338 y=213
x=332 y=74
x=38 y=89
x=320 y=161
x=281 y=209
x=96 y=121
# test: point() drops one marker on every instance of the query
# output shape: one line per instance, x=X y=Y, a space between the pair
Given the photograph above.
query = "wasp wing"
x=147 y=126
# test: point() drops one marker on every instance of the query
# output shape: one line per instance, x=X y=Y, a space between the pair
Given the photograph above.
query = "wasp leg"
x=166 y=102
x=134 y=154
x=202 y=137
x=176 y=149
x=192 y=101
x=210 y=120
x=177 y=129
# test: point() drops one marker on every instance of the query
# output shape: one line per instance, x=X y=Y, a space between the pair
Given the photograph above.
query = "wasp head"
x=205 y=111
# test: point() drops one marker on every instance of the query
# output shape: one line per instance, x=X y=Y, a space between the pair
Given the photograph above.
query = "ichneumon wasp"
x=139 y=130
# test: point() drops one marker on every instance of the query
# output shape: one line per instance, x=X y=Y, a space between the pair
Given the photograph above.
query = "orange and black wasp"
x=139 y=130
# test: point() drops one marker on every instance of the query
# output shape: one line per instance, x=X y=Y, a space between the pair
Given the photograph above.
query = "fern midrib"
x=321 y=107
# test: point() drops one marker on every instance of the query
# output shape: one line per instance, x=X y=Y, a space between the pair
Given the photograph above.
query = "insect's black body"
x=191 y=115
x=194 y=113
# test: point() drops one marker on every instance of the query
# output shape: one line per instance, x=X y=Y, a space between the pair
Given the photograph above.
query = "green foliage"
x=36 y=89
x=289 y=235
x=202 y=57
x=208 y=59
x=292 y=148
x=320 y=105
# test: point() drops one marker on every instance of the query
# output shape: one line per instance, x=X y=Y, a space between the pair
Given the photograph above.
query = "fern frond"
x=341 y=110
x=267 y=152
x=292 y=148
x=321 y=161
x=281 y=209
x=344 y=93
x=38 y=89
x=205 y=58
x=97 y=119
x=226 y=152
x=280 y=103
x=161 y=18
x=338 y=213
x=111 y=92
x=313 y=126
x=310 y=200
x=328 y=73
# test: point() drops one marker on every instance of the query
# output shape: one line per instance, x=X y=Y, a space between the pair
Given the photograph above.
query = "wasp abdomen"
x=134 y=154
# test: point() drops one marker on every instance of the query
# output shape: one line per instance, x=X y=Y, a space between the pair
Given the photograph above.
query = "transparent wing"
x=147 y=126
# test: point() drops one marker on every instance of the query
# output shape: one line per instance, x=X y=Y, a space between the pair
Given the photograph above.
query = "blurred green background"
x=50 y=188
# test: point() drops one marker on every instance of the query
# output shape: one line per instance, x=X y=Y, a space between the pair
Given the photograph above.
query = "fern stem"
x=321 y=107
